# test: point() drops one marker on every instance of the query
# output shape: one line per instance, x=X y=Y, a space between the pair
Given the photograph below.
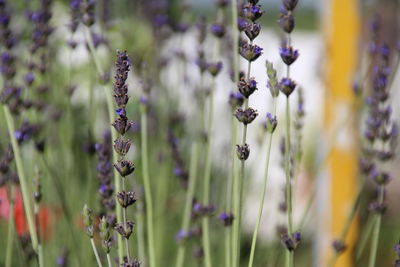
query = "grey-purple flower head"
x=250 y=52
x=235 y=99
x=287 y=86
x=218 y=30
x=214 y=68
x=252 y=11
x=252 y=30
x=288 y=54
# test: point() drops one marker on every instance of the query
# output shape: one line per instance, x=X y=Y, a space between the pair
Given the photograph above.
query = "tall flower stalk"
x=270 y=125
x=122 y=145
x=246 y=85
x=287 y=86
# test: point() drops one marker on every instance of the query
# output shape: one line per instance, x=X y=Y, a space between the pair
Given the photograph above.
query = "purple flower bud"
x=250 y=52
x=287 y=86
x=218 y=30
x=288 y=54
x=235 y=99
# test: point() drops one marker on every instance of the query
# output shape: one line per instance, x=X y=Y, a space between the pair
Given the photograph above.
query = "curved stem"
x=188 y=203
x=147 y=188
x=40 y=248
x=26 y=196
x=96 y=254
x=10 y=232
x=110 y=109
x=376 y=231
x=262 y=198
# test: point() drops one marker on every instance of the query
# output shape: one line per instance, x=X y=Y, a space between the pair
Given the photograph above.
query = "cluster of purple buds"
x=246 y=116
x=200 y=210
x=218 y=30
x=291 y=243
x=252 y=11
x=236 y=100
x=26 y=131
x=250 y=51
x=380 y=130
x=121 y=123
x=75 y=9
x=247 y=88
x=271 y=123
x=88 y=12
x=42 y=28
x=214 y=68
x=130 y=263
x=7 y=65
x=6 y=36
x=338 y=246
x=288 y=54
x=226 y=218
x=243 y=151
x=180 y=169
x=6 y=174
x=105 y=174
x=194 y=232
x=286 y=20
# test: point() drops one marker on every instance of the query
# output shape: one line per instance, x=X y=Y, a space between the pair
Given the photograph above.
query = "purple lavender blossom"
x=288 y=54
x=250 y=52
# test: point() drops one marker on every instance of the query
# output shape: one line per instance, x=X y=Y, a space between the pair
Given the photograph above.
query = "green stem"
x=289 y=254
x=96 y=254
x=206 y=180
x=109 y=260
x=188 y=203
x=40 y=248
x=376 y=231
x=229 y=194
x=262 y=199
x=10 y=232
x=365 y=236
x=140 y=230
x=125 y=227
x=110 y=109
x=26 y=196
x=147 y=188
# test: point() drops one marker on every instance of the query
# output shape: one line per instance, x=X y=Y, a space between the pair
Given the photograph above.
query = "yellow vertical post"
x=342 y=51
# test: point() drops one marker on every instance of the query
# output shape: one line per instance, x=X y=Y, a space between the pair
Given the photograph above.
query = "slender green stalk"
x=237 y=225
x=235 y=177
x=10 y=232
x=262 y=199
x=109 y=260
x=40 y=248
x=96 y=254
x=206 y=180
x=376 y=230
x=125 y=227
x=365 y=235
x=140 y=230
x=230 y=187
x=289 y=254
x=110 y=109
x=188 y=203
x=147 y=188
x=26 y=196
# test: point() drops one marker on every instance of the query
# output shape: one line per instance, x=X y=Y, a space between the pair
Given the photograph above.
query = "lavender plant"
x=246 y=85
